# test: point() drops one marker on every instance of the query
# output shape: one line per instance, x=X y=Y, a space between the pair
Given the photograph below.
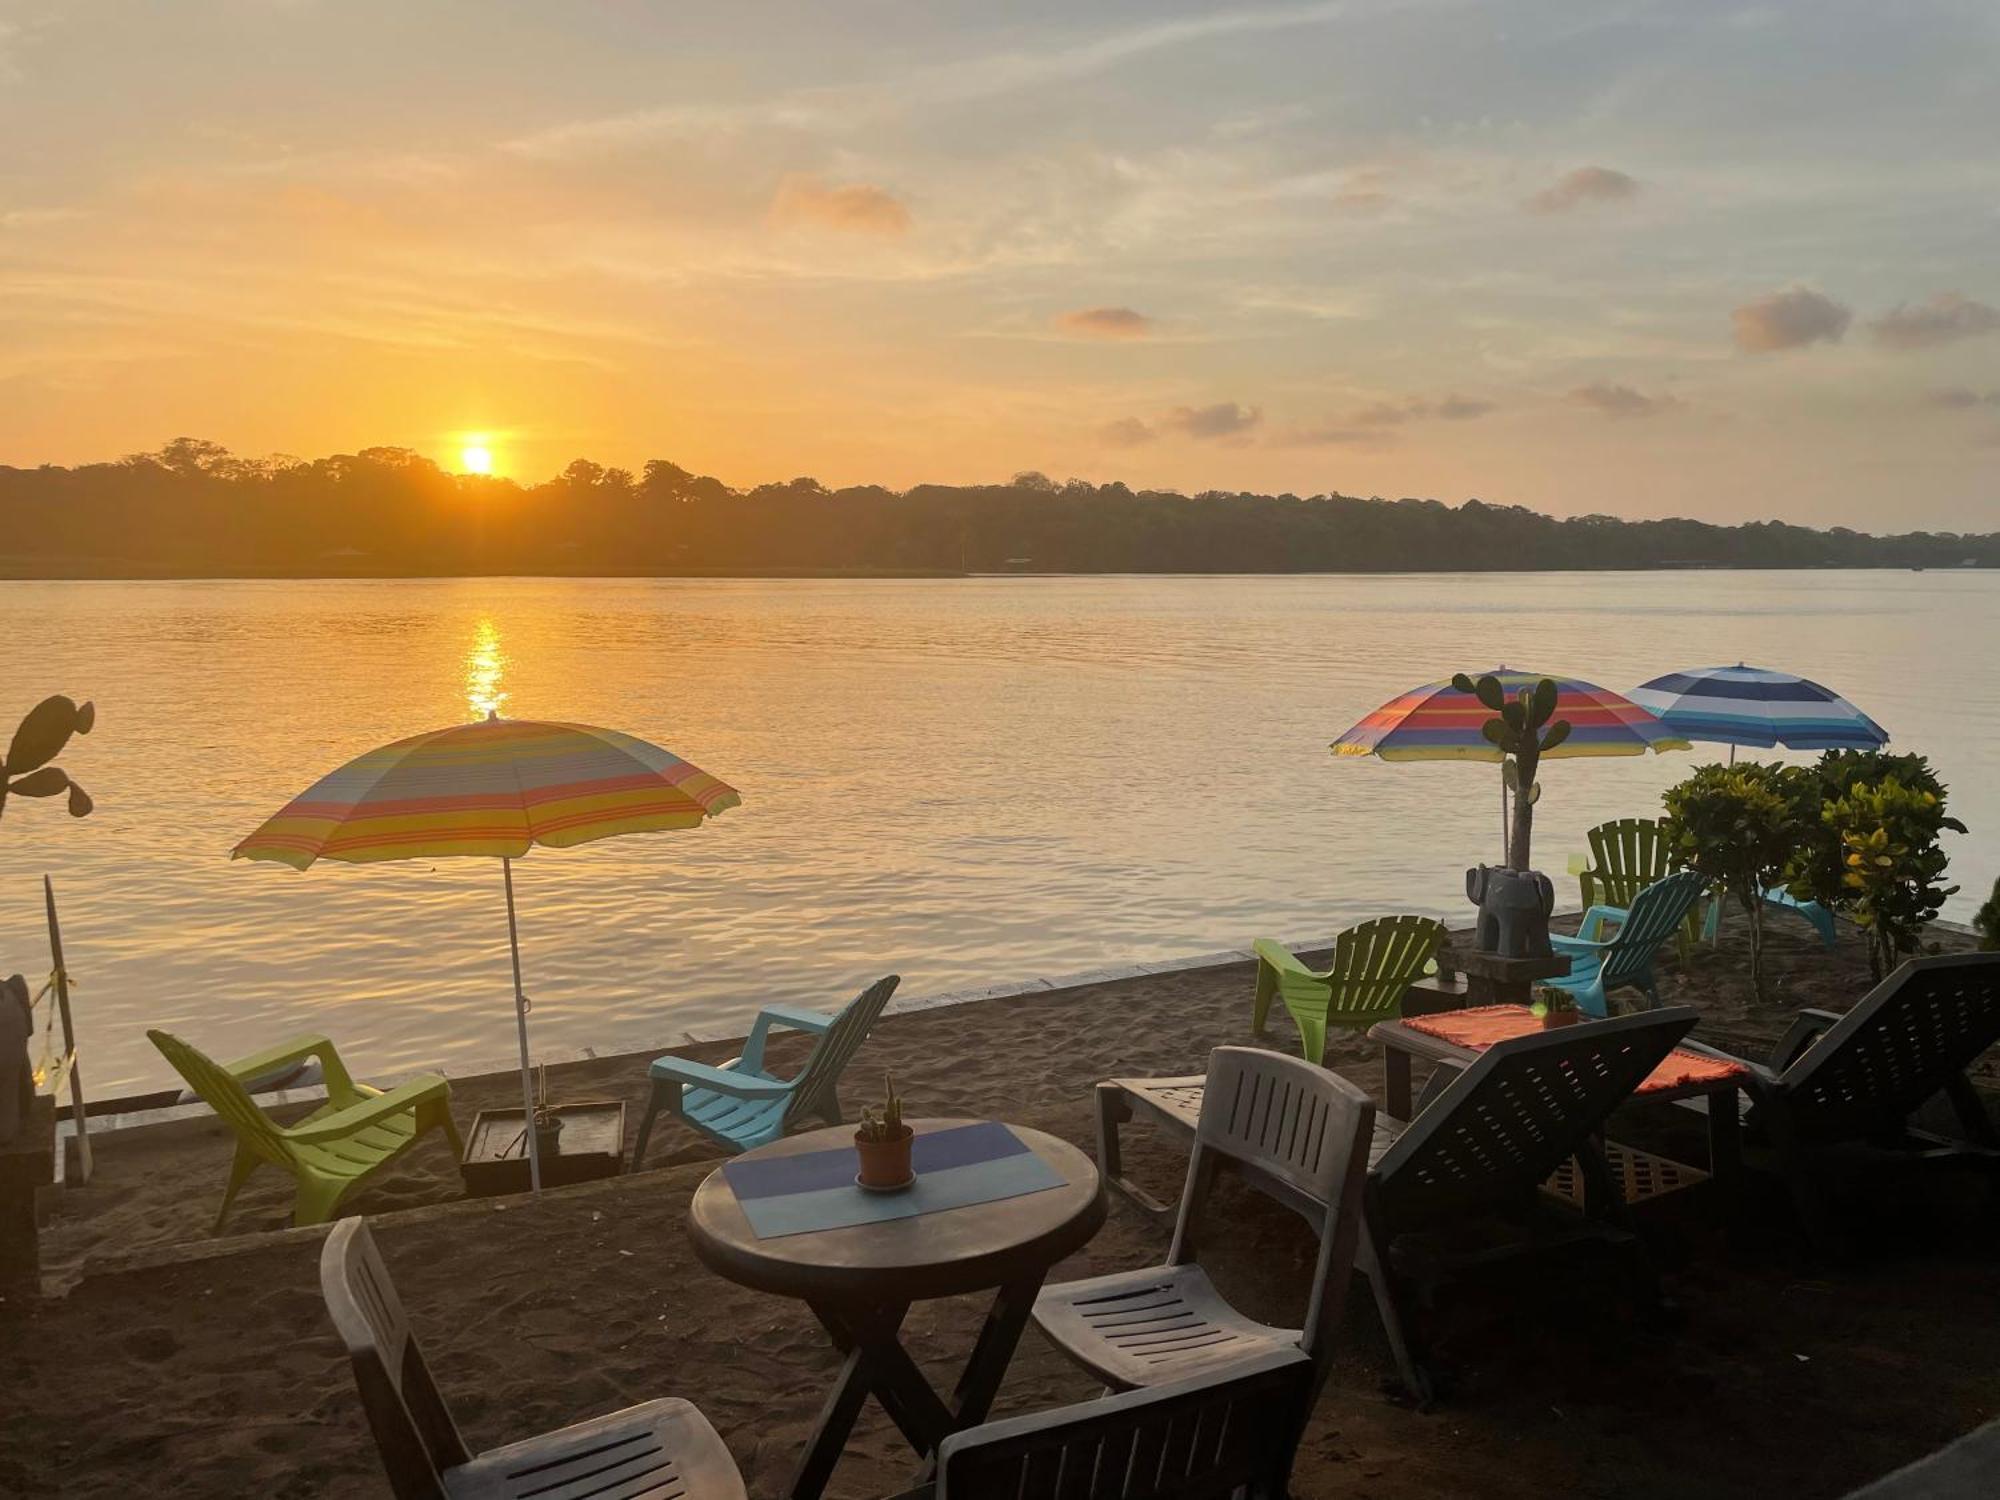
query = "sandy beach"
x=168 y=1362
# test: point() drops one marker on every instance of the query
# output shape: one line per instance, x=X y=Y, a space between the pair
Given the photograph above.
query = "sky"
x=1635 y=257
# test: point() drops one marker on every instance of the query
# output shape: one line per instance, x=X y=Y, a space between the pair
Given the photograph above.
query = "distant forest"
x=194 y=510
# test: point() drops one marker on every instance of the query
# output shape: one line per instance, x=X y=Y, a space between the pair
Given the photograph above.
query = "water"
x=963 y=781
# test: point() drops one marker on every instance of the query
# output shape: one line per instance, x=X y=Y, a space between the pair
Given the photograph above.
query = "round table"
x=860 y=1280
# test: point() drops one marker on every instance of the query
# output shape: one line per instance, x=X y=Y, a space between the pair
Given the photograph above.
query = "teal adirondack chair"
x=1373 y=965
x=742 y=1103
x=1600 y=964
x=1777 y=896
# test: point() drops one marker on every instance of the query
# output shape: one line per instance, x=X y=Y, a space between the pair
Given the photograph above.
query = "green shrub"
x=1819 y=873
x=1987 y=922
x=1740 y=826
x=1889 y=837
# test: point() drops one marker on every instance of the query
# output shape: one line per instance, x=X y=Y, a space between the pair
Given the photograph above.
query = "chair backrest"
x=836 y=1048
x=1375 y=963
x=1208 y=1438
x=1302 y=1129
x=1498 y=1129
x=1900 y=1044
x=1652 y=918
x=1626 y=856
x=219 y=1090
x=414 y=1430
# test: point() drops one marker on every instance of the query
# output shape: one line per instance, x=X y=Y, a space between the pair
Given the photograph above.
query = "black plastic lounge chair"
x=1229 y=1433
x=1969 y=1469
x=1855 y=1080
x=1485 y=1140
x=1303 y=1130
x=661 y=1450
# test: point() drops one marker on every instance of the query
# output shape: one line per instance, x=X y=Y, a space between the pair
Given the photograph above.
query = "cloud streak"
x=1945 y=319
x=1225 y=419
x=1582 y=187
x=851 y=208
x=1790 y=319
x=1620 y=401
x=1105 y=323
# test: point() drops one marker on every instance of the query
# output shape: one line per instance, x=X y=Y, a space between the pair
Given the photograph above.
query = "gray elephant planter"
x=1514 y=908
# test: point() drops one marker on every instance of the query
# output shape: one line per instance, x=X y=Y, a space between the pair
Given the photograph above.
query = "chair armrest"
x=398 y=1101
x=791 y=1017
x=1807 y=1027
x=731 y=1081
x=339 y=1084
x=1591 y=927
x=1281 y=958
x=1563 y=943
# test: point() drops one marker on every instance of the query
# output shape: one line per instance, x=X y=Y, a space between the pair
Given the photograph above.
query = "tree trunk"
x=1519 y=849
x=1753 y=912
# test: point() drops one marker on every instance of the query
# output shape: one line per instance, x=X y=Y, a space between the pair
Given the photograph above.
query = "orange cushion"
x=1480 y=1026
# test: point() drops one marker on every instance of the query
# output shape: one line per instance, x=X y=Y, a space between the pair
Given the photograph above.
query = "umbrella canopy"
x=492 y=788
x=495 y=787
x=1742 y=705
x=1438 y=722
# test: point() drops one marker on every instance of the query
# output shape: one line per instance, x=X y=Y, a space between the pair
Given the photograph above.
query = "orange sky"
x=1687 y=258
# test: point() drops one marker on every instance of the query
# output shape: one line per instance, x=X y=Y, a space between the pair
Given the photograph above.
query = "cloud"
x=1105 y=323
x=1333 y=435
x=1945 y=319
x=1960 y=398
x=1452 y=408
x=1583 y=186
x=1790 y=319
x=1126 y=432
x=853 y=208
x=1223 y=420
x=1621 y=400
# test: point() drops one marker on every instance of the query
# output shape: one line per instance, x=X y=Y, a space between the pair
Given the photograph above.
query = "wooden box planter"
x=593 y=1146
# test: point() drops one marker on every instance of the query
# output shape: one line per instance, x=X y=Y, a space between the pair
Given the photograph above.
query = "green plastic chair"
x=1626 y=856
x=358 y=1129
x=1373 y=966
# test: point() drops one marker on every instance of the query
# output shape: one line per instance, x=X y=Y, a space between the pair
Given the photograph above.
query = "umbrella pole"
x=1506 y=830
x=521 y=1026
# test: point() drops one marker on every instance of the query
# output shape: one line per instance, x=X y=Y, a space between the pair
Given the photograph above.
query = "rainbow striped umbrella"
x=1438 y=722
x=494 y=787
x=1742 y=705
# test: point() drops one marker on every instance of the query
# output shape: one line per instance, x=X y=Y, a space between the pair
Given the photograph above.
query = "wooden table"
x=860 y=1281
x=1717 y=1097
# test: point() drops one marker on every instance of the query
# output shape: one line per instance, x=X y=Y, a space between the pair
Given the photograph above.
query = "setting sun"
x=475 y=458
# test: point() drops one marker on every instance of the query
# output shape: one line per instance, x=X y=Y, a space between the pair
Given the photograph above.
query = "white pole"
x=521 y=1025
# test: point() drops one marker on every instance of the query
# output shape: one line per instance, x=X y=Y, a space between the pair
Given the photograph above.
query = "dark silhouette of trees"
x=194 y=509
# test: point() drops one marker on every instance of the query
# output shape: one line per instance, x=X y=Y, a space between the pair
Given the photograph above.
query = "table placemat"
x=1478 y=1027
x=956 y=1168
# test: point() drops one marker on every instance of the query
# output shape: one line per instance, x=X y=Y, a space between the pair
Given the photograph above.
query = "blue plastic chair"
x=1599 y=964
x=742 y=1103
x=1783 y=900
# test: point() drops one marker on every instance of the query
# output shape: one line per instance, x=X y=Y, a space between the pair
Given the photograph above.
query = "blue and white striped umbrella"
x=1742 y=705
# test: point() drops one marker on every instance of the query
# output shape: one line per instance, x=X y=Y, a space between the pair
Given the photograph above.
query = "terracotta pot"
x=1551 y=1019
x=885 y=1163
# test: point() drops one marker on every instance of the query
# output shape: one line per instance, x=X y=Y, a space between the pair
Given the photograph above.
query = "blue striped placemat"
x=955 y=1168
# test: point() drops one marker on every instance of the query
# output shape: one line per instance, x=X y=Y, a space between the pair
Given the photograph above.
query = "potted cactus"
x=1514 y=899
x=1554 y=1007
x=883 y=1144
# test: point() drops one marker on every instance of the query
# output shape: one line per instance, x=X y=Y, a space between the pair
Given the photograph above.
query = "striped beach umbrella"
x=495 y=787
x=1742 y=705
x=1438 y=722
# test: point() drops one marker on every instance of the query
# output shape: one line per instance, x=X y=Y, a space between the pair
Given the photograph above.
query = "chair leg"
x=239 y=1172
x=317 y=1199
x=646 y=1125
x=1371 y=1257
x=1260 y=1007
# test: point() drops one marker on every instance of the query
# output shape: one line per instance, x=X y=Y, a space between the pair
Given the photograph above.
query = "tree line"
x=193 y=509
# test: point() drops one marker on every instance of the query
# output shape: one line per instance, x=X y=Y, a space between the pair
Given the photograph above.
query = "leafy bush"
x=1740 y=826
x=1987 y=922
x=1870 y=846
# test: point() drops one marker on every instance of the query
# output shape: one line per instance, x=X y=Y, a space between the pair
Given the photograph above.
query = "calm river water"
x=965 y=781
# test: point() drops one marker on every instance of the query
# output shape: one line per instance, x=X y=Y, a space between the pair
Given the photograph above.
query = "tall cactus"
x=26 y=772
x=1517 y=731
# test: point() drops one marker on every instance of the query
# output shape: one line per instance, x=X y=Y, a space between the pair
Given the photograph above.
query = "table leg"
x=1725 y=1152
x=1396 y=1064
x=886 y=1371
x=836 y=1421
x=980 y=1381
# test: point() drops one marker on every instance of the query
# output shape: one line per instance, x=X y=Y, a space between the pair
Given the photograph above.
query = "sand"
x=177 y=1364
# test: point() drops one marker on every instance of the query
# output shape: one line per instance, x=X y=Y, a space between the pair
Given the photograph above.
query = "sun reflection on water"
x=485 y=665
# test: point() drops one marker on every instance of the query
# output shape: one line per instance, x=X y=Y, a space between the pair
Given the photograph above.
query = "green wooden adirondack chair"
x=1627 y=855
x=358 y=1129
x=1373 y=965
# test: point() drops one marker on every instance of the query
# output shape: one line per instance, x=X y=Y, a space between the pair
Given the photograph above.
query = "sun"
x=475 y=458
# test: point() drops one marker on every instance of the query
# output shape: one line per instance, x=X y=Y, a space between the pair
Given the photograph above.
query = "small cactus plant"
x=26 y=772
x=1516 y=730
x=884 y=1123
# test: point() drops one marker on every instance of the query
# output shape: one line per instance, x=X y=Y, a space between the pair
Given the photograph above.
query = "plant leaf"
x=79 y=802
x=1545 y=700
x=46 y=782
x=42 y=734
x=1557 y=733
x=1495 y=731
x=1490 y=693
